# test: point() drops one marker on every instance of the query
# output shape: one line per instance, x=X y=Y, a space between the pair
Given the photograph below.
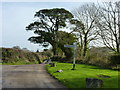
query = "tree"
x=48 y=23
x=37 y=51
x=78 y=28
x=16 y=47
x=25 y=49
x=84 y=25
x=65 y=38
x=109 y=25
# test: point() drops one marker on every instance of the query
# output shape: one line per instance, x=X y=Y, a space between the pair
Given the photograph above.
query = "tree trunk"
x=85 y=46
x=54 y=51
x=55 y=44
x=118 y=29
x=118 y=51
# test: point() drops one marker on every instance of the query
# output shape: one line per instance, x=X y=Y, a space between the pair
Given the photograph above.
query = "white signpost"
x=72 y=46
x=69 y=46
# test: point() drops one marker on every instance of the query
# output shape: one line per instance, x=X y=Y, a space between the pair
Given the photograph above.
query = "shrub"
x=96 y=56
x=15 y=56
x=115 y=59
x=56 y=58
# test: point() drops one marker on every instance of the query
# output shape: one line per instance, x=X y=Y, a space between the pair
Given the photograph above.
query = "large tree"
x=47 y=24
x=109 y=25
x=84 y=25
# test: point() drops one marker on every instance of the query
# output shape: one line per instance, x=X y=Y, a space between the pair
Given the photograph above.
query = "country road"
x=28 y=76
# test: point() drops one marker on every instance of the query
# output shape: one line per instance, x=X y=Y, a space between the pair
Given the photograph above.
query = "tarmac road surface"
x=28 y=76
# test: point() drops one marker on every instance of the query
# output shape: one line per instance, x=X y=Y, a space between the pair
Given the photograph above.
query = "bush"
x=96 y=56
x=115 y=60
x=56 y=58
x=47 y=53
x=16 y=56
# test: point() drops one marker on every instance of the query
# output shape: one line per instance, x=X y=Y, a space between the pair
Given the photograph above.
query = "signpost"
x=72 y=46
x=69 y=46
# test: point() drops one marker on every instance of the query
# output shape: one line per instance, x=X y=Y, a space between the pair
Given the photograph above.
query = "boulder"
x=59 y=71
x=93 y=83
x=47 y=61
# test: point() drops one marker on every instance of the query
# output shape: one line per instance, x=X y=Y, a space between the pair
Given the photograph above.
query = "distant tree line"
x=18 y=47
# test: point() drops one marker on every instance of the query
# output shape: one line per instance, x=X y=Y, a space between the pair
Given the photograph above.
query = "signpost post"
x=72 y=46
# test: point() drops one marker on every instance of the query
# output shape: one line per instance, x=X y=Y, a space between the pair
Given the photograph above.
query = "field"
x=76 y=78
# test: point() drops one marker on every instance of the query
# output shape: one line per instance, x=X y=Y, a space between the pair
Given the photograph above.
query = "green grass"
x=76 y=78
x=18 y=63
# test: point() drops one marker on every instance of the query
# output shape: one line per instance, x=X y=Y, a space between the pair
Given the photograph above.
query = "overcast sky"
x=17 y=15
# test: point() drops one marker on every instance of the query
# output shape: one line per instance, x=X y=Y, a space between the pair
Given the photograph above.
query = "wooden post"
x=74 y=56
x=52 y=64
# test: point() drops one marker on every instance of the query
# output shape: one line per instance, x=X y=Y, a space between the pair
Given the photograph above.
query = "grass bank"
x=18 y=63
x=11 y=56
x=76 y=78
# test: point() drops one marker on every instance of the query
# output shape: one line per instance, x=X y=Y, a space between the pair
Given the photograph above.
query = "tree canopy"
x=84 y=26
x=65 y=38
x=108 y=23
x=47 y=24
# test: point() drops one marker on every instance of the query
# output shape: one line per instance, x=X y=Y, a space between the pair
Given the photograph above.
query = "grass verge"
x=19 y=63
x=76 y=78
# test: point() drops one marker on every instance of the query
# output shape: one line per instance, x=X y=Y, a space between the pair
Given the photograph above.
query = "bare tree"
x=85 y=25
x=109 y=25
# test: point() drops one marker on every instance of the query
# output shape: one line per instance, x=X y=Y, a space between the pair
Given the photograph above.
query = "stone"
x=93 y=83
x=47 y=61
x=59 y=71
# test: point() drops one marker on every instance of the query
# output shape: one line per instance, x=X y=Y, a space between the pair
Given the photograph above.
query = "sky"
x=16 y=15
